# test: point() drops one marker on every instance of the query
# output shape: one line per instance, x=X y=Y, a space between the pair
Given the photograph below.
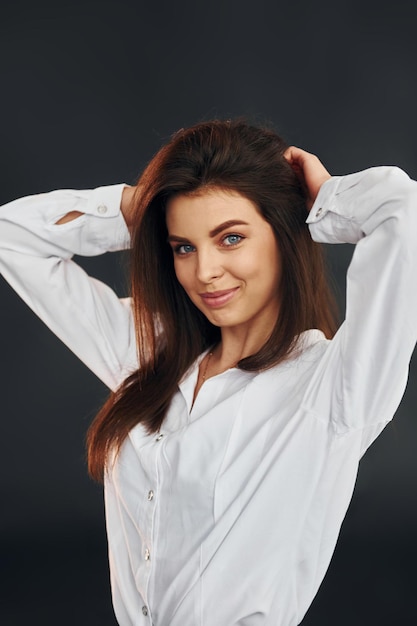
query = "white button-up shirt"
x=229 y=516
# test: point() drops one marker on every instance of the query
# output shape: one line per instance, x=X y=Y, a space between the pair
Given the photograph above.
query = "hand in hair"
x=309 y=170
x=127 y=204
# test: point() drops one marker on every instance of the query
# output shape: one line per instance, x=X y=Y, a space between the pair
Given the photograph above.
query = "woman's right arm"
x=38 y=237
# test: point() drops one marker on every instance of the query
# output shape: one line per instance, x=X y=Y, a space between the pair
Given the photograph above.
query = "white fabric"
x=231 y=516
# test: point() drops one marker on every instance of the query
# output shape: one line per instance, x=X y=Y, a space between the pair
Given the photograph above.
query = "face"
x=226 y=258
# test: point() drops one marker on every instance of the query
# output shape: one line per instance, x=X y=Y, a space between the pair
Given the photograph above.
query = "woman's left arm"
x=366 y=365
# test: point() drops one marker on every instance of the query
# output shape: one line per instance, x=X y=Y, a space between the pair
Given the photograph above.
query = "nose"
x=209 y=266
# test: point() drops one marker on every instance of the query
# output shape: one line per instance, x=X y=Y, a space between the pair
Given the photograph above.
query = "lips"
x=218 y=298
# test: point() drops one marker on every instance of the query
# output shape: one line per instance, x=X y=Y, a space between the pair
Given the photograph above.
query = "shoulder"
x=309 y=349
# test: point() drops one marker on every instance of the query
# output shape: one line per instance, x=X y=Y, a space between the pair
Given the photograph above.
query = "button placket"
x=148 y=509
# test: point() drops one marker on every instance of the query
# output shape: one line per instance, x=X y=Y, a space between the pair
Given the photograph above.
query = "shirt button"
x=319 y=211
x=145 y=610
x=159 y=437
x=102 y=209
x=150 y=495
x=147 y=555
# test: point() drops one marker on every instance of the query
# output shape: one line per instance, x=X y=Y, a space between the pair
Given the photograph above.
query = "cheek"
x=182 y=273
x=266 y=267
x=177 y=270
x=263 y=263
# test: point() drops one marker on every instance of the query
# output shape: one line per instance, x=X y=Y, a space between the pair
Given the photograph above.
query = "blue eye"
x=184 y=248
x=232 y=240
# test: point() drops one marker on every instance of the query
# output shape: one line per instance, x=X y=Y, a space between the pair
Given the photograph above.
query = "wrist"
x=126 y=204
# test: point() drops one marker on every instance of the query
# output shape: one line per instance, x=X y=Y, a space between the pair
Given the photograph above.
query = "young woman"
x=230 y=444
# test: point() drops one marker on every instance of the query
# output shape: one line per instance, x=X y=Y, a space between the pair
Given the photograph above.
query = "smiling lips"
x=218 y=298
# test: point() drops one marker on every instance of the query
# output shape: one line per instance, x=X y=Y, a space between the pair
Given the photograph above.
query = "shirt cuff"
x=109 y=230
x=329 y=219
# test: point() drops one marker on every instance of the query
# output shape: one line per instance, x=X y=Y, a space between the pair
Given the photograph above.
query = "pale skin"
x=227 y=260
x=224 y=263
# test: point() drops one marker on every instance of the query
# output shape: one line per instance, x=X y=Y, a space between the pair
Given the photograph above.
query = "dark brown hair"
x=170 y=331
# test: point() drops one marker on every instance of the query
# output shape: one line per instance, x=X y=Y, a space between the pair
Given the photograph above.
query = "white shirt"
x=230 y=516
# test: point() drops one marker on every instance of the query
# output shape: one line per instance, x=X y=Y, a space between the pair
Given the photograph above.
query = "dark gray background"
x=90 y=90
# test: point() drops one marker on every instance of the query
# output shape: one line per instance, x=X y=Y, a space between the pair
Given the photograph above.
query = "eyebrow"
x=218 y=229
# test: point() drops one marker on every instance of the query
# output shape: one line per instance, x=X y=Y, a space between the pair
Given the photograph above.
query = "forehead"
x=207 y=209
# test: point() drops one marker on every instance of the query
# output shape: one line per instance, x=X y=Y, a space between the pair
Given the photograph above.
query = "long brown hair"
x=170 y=331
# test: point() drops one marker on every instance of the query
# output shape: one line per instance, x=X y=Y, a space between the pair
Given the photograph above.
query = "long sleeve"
x=364 y=372
x=36 y=259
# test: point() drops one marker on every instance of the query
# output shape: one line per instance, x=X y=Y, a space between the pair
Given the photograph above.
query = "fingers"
x=296 y=155
x=309 y=170
x=302 y=158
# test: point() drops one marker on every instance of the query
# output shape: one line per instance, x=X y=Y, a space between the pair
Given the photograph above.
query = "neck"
x=235 y=346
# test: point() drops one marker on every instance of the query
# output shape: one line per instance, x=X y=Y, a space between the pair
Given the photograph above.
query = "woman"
x=230 y=444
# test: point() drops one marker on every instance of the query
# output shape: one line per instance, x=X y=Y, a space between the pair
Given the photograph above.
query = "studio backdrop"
x=90 y=91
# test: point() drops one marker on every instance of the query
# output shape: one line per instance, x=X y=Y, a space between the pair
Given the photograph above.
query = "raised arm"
x=364 y=372
x=38 y=237
x=125 y=208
